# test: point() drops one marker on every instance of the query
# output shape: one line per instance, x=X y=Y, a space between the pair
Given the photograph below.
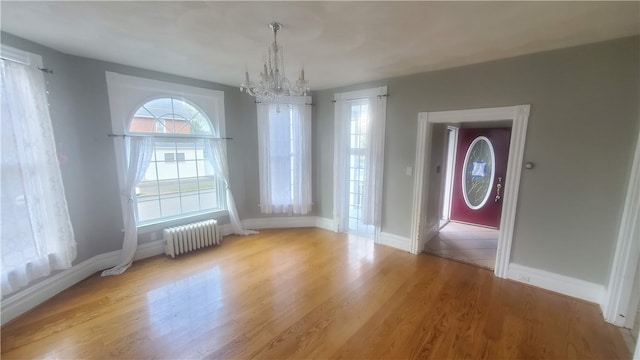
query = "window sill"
x=165 y=223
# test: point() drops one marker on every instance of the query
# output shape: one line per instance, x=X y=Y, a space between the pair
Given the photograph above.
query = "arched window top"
x=170 y=116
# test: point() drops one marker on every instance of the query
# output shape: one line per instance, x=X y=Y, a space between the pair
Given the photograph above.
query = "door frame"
x=449 y=158
x=618 y=300
x=519 y=116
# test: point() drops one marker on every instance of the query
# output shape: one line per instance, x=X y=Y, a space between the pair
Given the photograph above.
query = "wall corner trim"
x=395 y=241
x=618 y=298
x=562 y=284
x=325 y=223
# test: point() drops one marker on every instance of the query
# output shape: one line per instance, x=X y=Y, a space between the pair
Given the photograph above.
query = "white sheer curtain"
x=37 y=236
x=217 y=159
x=341 y=161
x=284 y=141
x=140 y=151
x=374 y=158
x=373 y=155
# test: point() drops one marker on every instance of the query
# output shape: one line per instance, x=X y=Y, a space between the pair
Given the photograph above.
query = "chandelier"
x=274 y=87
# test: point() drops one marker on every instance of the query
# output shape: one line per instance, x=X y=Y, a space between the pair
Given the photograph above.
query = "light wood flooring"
x=309 y=293
x=471 y=244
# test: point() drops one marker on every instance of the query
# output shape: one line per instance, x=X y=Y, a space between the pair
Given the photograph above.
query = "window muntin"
x=179 y=181
x=170 y=116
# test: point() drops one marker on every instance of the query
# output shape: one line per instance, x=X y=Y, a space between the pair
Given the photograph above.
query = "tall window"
x=36 y=231
x=360 y=118
x=357 y=147
x=180 y=179
x=284 y=140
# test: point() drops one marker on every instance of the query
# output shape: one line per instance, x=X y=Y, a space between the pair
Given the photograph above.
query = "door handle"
x=498 y=198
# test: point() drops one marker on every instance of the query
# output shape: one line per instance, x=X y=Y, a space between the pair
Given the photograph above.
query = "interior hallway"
x=471 y=244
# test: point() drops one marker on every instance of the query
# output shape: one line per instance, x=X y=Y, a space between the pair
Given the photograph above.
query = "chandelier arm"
x=274 y=87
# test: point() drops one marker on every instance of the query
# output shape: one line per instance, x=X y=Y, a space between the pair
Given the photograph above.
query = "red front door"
x=479 y=176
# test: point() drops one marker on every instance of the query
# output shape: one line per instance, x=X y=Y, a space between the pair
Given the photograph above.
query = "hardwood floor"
x=467 y=243
x=309 y=293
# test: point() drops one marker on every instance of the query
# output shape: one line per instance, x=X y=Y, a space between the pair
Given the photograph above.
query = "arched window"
x=180 y=180
x=170 y=116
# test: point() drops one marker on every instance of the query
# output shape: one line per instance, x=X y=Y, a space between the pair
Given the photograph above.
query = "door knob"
x=498 y=198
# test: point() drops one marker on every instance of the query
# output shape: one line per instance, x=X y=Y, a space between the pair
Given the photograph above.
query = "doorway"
x=476 y=157
x=426 y=218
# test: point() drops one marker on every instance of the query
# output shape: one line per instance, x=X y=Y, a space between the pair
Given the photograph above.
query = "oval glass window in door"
x=479 y=170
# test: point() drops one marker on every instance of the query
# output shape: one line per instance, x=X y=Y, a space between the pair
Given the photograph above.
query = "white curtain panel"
x=140 y=151
x=37 y=236
x=374 y=158
x=284 y=142
x=341 y=161
x=217 y=151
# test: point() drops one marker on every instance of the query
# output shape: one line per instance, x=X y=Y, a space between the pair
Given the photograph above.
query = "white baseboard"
x=36 y=294
x=150 y=249
x=431 y=232
x=325 y=223
x=396 y=241
x=279 y=222
x=225 y=229
x=558 y=283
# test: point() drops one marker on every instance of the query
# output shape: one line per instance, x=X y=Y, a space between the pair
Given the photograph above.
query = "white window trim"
x=126 y=95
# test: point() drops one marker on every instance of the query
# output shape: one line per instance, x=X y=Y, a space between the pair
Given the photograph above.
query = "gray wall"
x=79 y=107
x=582 y=130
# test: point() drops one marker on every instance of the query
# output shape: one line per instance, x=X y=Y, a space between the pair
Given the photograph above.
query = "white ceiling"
x=339 y=43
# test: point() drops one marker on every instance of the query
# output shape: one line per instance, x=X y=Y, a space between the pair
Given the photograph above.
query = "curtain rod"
x=379 y=97
x=43 y=69
x=170 y=136
x=260 y=102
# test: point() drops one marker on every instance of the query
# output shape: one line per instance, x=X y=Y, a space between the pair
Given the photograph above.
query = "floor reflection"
x=360 y=250
x=189 y=303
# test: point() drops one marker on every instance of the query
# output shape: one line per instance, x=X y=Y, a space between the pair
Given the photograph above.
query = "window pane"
x=169 y=187
x=209 y=199
x=170 y=115
x=188 y=170
x=148 y=208
x=190 y=202
x=147 y=188
x=170 y=205
x=179 y=179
